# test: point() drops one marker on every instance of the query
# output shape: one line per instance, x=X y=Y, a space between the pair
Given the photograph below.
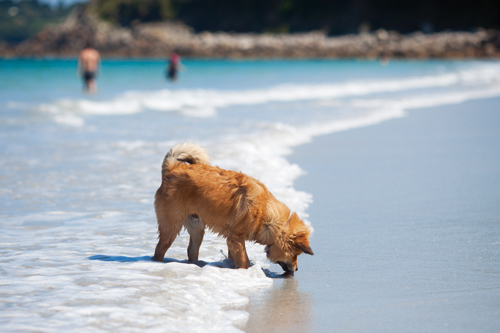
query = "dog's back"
x=228 y=202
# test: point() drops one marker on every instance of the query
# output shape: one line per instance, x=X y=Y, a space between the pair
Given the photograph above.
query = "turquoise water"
x=50 y=79
x=78 y=173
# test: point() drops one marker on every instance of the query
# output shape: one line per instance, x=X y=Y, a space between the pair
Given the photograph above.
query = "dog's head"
x=292 y=241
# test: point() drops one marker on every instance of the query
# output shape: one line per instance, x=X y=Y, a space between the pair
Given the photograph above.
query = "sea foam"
x=206 y=102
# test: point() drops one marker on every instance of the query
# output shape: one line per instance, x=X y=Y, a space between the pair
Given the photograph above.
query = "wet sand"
x=407 y=229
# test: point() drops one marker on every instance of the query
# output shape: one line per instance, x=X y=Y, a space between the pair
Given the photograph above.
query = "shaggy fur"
x=195 y=195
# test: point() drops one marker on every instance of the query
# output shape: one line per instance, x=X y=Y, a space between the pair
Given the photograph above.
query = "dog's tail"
x=184 y=152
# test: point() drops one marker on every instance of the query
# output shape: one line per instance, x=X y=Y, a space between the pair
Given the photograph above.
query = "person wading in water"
x=89 y=62
x=173 y=67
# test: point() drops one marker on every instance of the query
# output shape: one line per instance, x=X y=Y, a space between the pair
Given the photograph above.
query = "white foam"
x=205 y=102
x=72 y=278
x=428 y=100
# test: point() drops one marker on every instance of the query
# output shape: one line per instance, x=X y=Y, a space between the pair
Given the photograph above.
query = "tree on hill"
x=336 y=17
x=127 y=12
x=20 y=20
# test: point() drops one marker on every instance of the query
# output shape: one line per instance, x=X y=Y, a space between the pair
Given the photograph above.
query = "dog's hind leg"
x=196 y=231
x=236 y=245
x=169 y=227
x=165 y=240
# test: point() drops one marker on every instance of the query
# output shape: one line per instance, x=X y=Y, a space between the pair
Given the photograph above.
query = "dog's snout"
x=296 y=268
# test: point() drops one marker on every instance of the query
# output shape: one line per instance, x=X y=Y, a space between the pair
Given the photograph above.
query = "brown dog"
x=196 y=195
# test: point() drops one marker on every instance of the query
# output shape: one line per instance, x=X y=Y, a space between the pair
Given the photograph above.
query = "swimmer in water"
x=173 y=67
x=89 y=63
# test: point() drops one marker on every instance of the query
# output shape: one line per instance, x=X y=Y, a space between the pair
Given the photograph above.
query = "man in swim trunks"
x=89 y=63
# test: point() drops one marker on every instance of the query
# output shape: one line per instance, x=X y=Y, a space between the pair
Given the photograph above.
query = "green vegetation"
x=22 y=19
x=335 y=17
x=127 y=12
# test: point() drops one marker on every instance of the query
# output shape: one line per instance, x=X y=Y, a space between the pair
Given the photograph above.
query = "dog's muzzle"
x=287 y=268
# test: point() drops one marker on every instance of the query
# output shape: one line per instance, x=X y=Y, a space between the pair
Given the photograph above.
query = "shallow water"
x=78 y=174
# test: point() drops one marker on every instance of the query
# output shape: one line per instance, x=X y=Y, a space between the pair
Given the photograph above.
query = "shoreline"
x=399 y=229
x=368 y=46
x=9 y=56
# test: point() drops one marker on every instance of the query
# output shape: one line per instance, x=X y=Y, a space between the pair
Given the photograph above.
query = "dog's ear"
x=303 y=244
x=306 y=249
x=301 y=233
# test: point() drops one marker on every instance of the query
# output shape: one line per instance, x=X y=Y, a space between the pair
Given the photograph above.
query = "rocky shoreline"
x=158 y=40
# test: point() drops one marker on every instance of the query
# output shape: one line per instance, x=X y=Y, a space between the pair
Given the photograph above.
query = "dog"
x=195 y=195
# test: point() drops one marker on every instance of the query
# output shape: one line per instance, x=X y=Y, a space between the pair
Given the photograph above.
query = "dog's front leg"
x=229 y=255
x=236 y=246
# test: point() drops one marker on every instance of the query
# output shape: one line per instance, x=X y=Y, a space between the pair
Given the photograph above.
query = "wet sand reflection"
x=281 y=308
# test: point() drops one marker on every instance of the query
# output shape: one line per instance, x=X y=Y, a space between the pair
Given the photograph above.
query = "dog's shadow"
x=225 y=263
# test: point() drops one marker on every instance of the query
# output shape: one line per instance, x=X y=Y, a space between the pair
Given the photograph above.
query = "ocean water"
x=78 y=174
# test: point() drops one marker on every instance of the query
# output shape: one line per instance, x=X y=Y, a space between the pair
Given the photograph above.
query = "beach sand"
x=407 y=228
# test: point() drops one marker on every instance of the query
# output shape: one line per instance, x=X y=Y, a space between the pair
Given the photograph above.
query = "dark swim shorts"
x=88 y=75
